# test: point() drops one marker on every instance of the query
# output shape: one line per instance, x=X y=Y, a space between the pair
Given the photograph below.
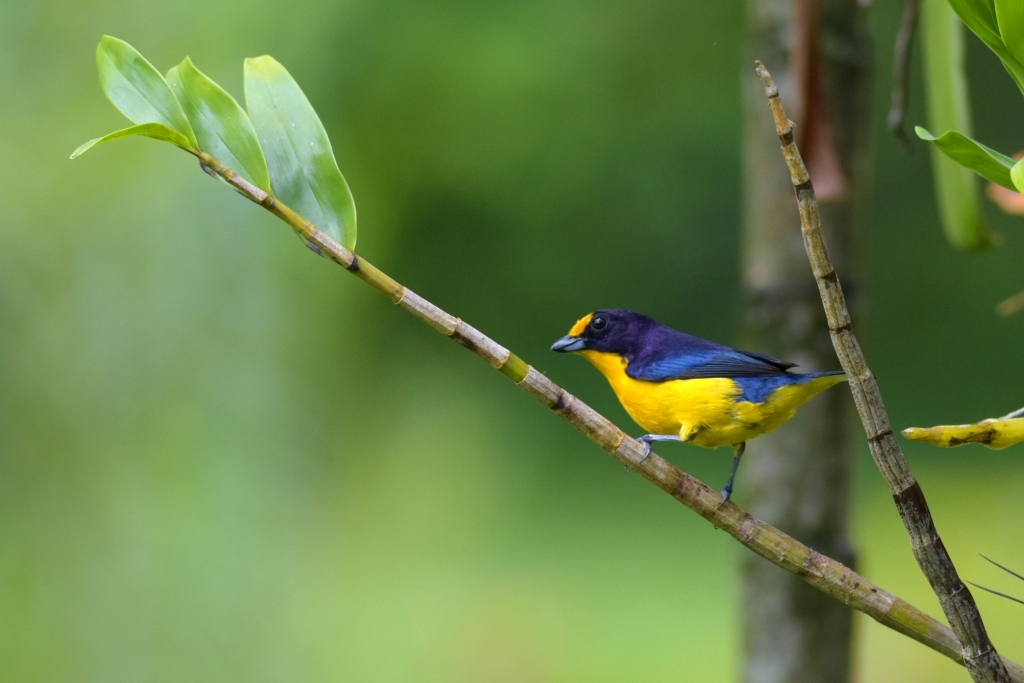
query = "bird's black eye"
x=598 y=323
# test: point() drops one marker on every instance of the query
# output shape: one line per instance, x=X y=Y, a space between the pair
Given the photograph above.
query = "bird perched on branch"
x=681 y=387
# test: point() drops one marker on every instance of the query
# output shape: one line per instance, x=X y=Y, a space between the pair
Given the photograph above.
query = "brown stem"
x=814 y=130
x=901 y=72
x=777 y=547
x=980 y=656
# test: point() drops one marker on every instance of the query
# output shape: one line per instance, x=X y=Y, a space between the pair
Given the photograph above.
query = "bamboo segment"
x=777 y=547
x=980 y=656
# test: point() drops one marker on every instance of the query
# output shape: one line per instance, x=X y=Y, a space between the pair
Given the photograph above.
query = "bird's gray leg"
x=727 y=491
x=646 y=440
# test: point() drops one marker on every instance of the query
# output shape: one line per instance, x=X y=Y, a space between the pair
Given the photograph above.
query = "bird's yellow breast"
x=709 y=409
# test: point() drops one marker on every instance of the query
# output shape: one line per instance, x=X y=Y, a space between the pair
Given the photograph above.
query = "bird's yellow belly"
x=708 y=410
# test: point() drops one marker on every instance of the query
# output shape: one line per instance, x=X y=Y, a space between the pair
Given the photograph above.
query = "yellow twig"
x=825 y=574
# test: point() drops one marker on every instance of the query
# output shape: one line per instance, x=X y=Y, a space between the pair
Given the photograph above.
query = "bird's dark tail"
x=827 y=373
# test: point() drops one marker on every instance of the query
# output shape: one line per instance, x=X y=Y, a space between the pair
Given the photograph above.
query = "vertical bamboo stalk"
x=980 y=656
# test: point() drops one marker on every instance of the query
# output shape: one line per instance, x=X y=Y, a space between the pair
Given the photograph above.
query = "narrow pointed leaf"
x=137 y=88
x=222 y=128
x=303 y=171
x=157 y=131
x=985 y=161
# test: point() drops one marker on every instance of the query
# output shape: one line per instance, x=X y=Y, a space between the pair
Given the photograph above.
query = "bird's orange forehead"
x=581 y=325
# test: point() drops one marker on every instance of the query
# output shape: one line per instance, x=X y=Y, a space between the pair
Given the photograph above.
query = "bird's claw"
x=726 y=493
x=647 y=450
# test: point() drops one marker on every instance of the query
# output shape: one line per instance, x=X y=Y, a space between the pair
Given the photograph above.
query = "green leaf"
x=983 y=160
x=222 y=128
x=1010 y=15
x=981 y=17
x=138 y=89
x=1017 y=175
x=303 y=171
x=157 y=131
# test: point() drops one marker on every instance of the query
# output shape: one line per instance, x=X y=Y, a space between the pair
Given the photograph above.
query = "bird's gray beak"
x=568 y=343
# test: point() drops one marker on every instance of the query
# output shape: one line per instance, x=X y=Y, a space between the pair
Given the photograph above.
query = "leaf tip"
x=262 y=63
x=924 y=134
x=106 y=42
x=83 y=148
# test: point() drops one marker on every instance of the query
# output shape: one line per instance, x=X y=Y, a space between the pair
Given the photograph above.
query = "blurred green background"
x=222 y=458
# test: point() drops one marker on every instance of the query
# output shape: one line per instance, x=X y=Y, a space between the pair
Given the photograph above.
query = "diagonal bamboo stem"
x=823 y=573
x=980 y=656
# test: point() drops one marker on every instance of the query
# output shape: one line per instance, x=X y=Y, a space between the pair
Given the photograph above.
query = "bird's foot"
x=647 y=448
x=647 y=439
x=726 y=493
x=647 y=451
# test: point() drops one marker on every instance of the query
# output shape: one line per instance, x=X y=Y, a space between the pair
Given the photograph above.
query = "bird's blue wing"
x=781 y=364
x=702 y=363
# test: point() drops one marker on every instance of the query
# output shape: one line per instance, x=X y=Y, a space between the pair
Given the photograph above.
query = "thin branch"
x=1005 y=569
x=823 y=573
x=1002 y=595
x=980 y=656
x=901 y=72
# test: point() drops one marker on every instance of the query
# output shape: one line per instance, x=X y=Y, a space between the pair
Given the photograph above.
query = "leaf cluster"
x=277 y=142
x=1000 y=25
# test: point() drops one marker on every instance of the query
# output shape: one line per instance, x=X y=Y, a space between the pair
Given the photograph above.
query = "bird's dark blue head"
x=613 y=330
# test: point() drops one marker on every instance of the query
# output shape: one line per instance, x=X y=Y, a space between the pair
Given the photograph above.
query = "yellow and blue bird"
x=680 y=387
